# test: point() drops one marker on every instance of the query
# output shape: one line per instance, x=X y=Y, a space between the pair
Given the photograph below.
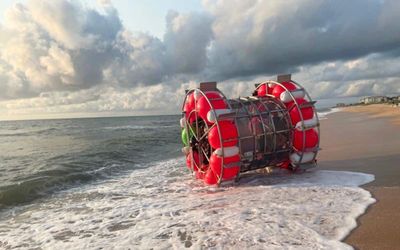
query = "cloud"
x=62 y=56
x=264 y=37
x=187 y=38
x=55 y=45
x=98 y=100
x=61 y=45
x=374 y=74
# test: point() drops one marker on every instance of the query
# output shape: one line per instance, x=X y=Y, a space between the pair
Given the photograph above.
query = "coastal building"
x=373 y=99
x=395 y=100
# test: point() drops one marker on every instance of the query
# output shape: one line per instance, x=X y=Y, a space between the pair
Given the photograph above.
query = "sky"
x=70 y=58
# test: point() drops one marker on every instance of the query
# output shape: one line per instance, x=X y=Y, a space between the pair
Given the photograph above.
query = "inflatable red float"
x=295 y=110
x=210 y=178
x=265 y=89
x=279 y=89
x=228 y=135
x=228 y=173
x=189 y=160
x=305 y=139
x=203 y=104
x=276 y=127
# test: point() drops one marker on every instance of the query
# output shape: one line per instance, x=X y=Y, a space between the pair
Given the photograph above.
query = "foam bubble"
x=163 y=207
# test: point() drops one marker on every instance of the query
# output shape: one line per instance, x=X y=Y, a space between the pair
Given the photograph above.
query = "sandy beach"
x=367 y=139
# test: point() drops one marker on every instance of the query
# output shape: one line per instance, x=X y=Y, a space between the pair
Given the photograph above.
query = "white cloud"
x=62 y=56
x=58 y=61
x=63 y=46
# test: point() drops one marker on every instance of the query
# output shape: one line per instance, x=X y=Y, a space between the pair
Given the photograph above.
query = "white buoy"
x=307 y=157
x=228 y=151
x=211 y=116
x=308 y=124
x=297 y=94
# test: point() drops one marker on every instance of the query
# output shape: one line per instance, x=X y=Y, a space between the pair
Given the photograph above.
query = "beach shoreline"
x=366 y=139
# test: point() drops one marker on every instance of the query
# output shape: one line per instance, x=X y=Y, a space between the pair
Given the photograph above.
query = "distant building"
x=374 y=99
x=394 y=99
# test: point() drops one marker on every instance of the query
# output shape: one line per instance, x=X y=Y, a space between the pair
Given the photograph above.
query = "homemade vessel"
x=275 y=127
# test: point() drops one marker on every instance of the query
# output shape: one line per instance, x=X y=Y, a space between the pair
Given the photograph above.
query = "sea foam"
x=323 y=115
x=163 y=207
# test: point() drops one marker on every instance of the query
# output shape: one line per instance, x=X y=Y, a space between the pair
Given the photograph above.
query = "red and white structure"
x=277 y=126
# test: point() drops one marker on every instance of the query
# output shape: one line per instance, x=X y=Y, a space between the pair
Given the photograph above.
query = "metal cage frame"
x=251 y=100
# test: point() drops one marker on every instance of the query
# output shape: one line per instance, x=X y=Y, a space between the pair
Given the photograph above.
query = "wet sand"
x=364 y=140
x=378 y=111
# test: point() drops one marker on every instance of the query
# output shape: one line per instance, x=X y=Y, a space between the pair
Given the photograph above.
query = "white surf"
x=163 y=207
x=323 y=115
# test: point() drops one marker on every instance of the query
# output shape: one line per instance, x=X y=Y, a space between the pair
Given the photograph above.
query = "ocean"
x=121 y=183
x=38 y=158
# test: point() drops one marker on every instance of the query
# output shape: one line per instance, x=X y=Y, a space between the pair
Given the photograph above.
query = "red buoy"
x=200 y=175
x=306 y=112
x=210 y=178
x=228 y=132
x=189 y=107
x=196 y=162
x=264 y=90
x=229 y=172
x=310 y=137
x=190 y=101
x=285 y=164
x=203 y=106
x=278 y=90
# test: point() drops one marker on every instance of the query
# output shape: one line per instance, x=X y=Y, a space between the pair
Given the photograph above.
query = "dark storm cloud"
x=262 y=37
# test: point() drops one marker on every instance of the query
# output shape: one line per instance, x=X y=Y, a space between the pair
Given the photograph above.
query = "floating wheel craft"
x=275 y=127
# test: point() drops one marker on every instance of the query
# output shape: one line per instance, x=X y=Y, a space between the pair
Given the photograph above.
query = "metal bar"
x=297 y=90
x=238 y=133
x=205 y=154
x=226 y=116
x=206 y=132
x=307 y=104
x=273 y=128
x=255 y=129
x=216 y=99
x=243 y=100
